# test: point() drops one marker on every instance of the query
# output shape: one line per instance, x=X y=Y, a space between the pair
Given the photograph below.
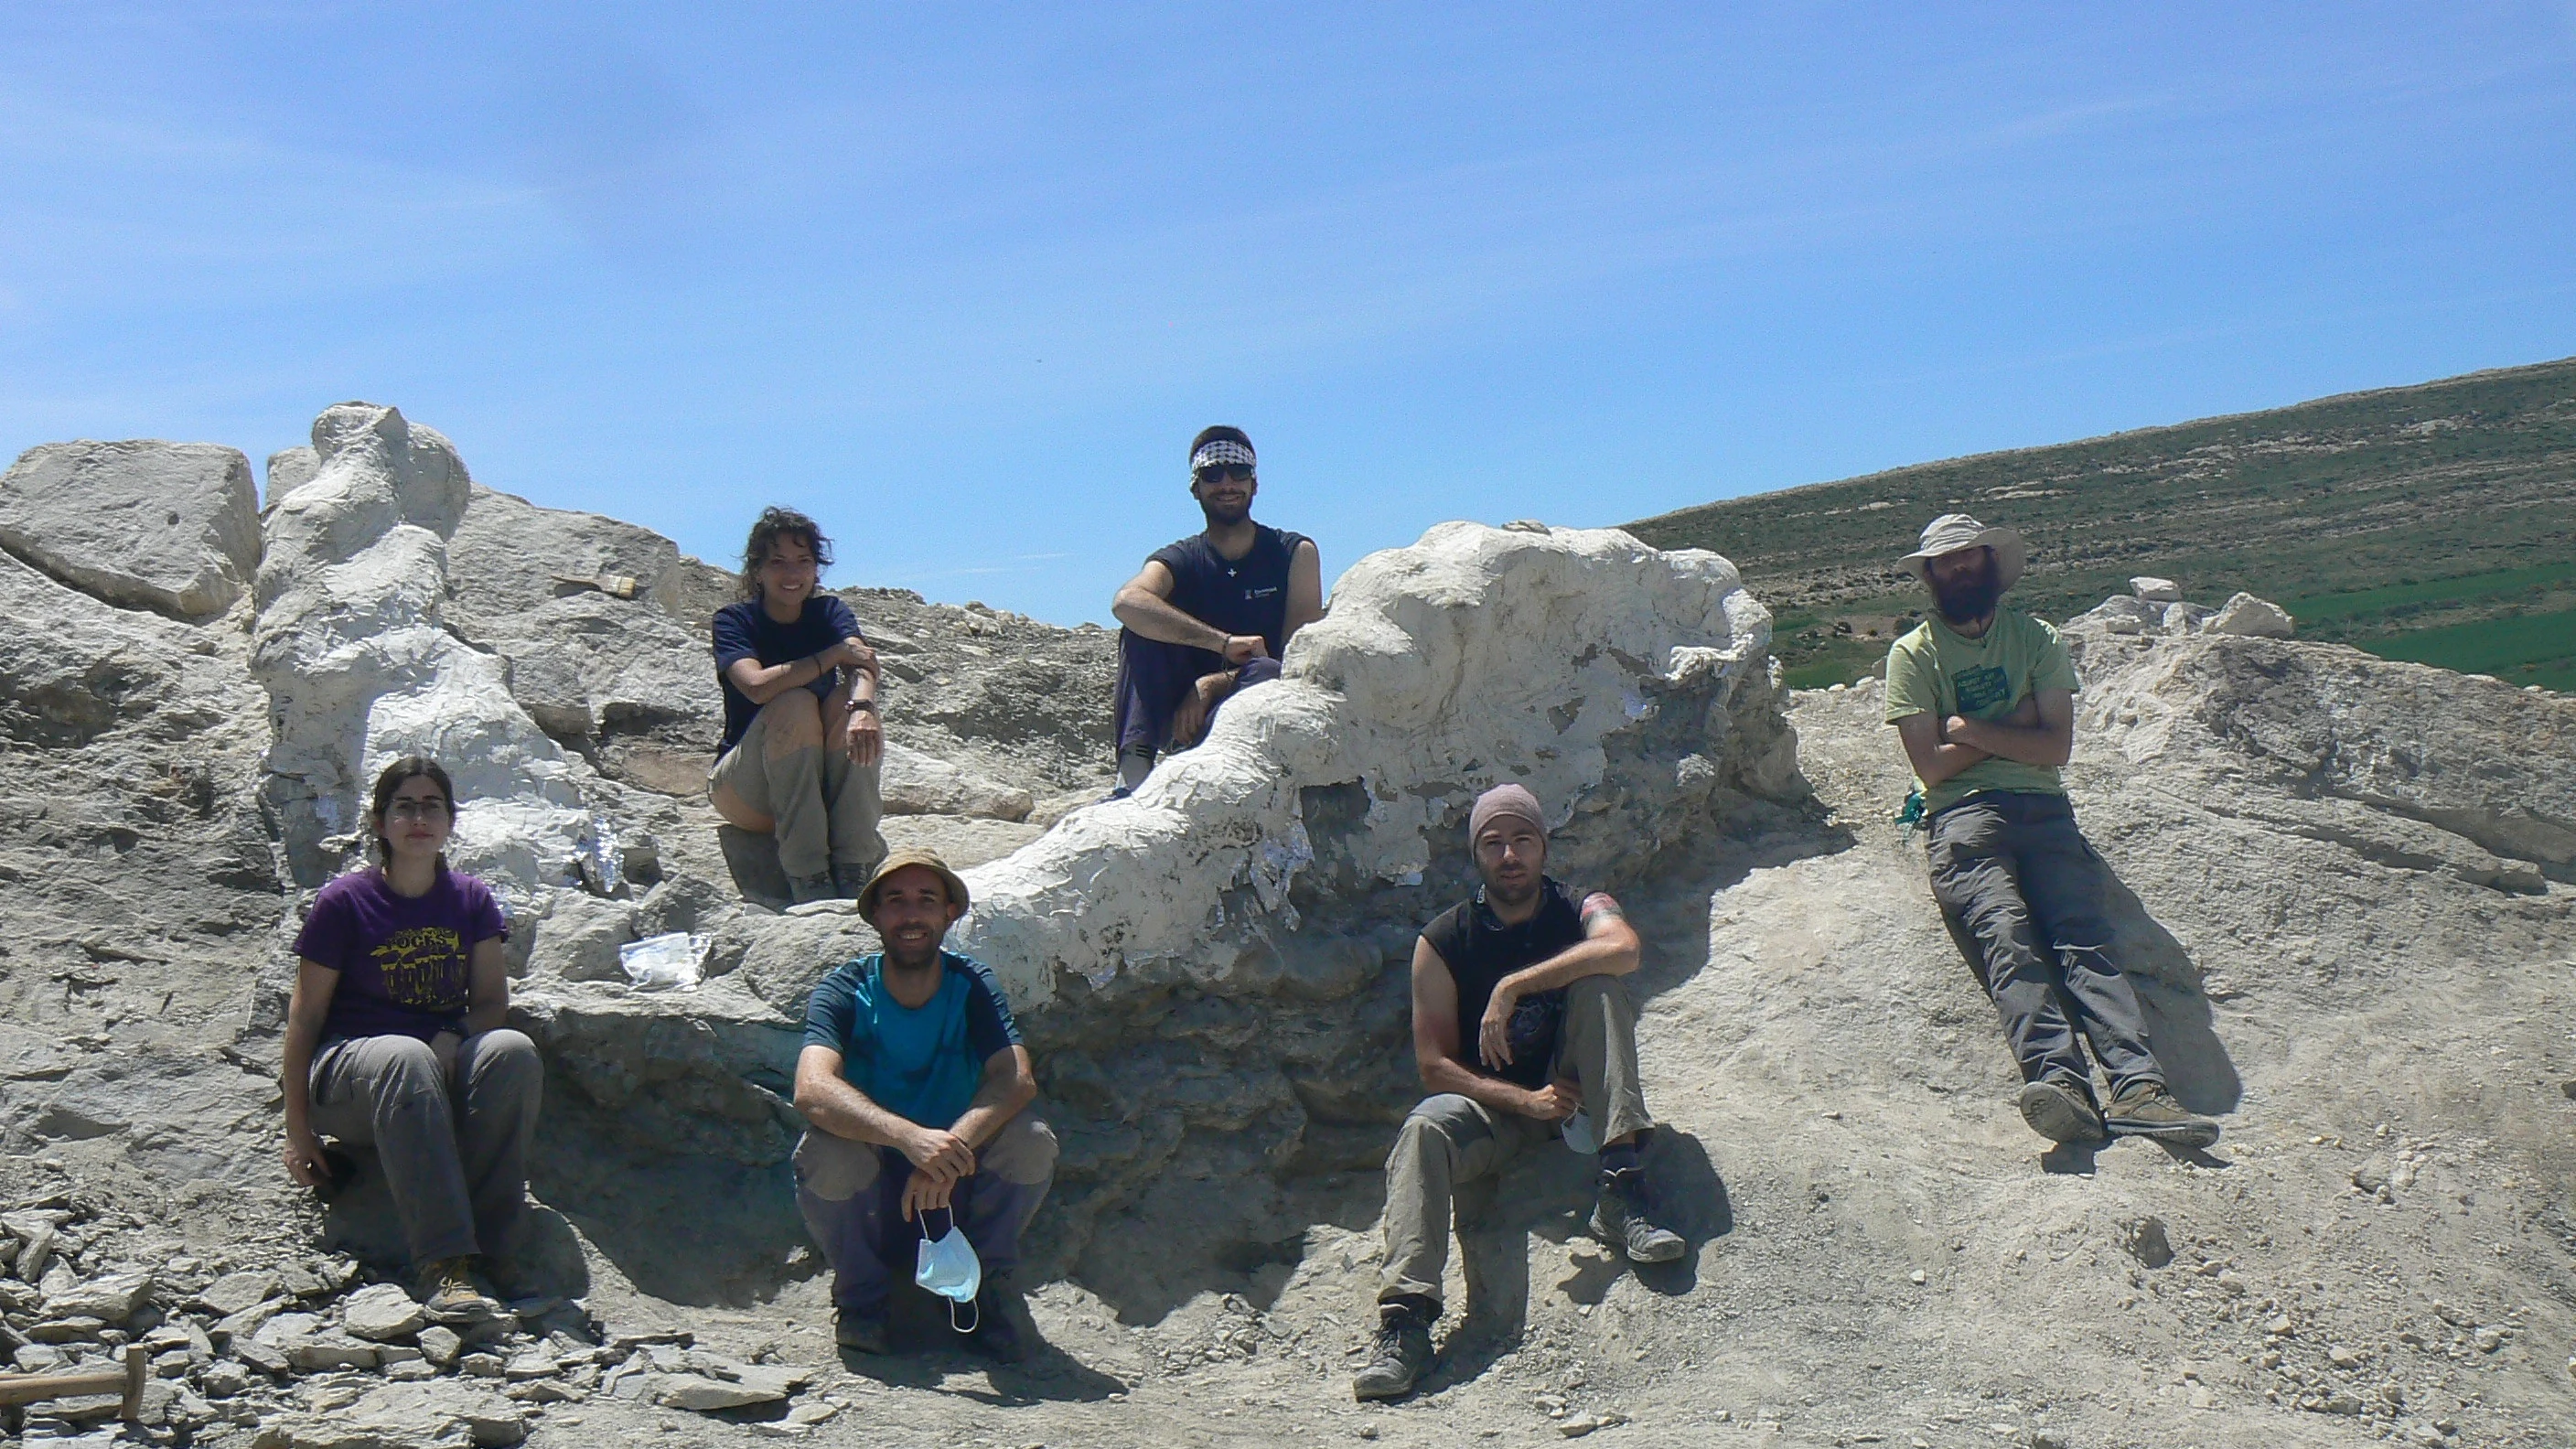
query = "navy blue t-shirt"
x=745 y=631
x=921 y=1063
x=1247 y=595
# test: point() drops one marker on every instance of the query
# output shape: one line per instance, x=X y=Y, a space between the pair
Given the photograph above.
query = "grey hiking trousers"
x=826 y=808
x=2025 y=897
x=1449 y=1140
x=453 y=1138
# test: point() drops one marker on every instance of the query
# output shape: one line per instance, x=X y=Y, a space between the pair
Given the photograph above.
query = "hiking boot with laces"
x=1399 y=1355
x=2145 y=1109
x=998 y=1334
x=859 y=1329
x=450 y=1296
x=1620 y=1220
x=2061 y=1110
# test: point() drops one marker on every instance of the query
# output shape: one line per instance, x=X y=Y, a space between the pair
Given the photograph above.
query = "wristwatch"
x=869 y=705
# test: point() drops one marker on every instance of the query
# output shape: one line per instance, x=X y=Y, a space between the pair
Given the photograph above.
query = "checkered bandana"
x=1219 y=450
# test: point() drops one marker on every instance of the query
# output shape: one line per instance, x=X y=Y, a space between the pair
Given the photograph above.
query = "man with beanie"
x=1520 y=1021
x=913 y=1083
x=1983 y=699
x=1210 y=614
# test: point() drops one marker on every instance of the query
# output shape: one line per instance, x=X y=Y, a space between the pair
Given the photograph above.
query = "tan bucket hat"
x=1952 y=532
x=928 y=860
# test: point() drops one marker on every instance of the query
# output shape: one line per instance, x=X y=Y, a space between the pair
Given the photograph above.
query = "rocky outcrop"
x=144 y=524
x=351 y=644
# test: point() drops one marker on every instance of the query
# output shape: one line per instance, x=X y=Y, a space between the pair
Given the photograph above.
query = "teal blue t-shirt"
x=921 y=1063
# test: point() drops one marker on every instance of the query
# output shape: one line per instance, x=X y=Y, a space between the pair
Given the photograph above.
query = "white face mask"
x=1579 y=1134
x=947 y=1266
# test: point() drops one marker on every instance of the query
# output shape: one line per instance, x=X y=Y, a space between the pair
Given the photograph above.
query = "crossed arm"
x=1609 y=948
x=856 y=729
x=939 y=1158
x=2039 y=731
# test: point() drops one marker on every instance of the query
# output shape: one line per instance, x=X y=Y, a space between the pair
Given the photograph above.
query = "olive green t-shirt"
x=1935 y=671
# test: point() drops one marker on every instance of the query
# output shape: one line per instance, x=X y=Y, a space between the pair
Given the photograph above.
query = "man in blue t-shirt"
x=802 y=741
x=913 y=1083
x=1209 y=614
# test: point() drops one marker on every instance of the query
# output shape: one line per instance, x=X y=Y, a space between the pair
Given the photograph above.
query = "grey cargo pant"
x=453 y=1138
x=1448 y=1140
x=826 y=808
x=2024 y=896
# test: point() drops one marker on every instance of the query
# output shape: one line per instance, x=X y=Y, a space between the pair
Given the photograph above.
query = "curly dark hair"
x=777 y=523
x=392 y=778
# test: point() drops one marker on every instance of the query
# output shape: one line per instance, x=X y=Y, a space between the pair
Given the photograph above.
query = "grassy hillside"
x=2435 y=523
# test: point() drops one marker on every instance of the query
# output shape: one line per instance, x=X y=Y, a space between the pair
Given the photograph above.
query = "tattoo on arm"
x=1600 y=907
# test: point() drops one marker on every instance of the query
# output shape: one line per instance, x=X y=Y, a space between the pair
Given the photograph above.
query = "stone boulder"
x=584 y=662
x=2154 y=590
x=142 y=524
x=2245 y=614
x=913 y=783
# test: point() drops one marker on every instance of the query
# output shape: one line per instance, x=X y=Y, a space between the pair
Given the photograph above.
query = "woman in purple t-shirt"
x=397 y=1036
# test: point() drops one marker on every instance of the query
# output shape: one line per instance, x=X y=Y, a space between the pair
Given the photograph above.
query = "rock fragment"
x=142 y=524
x=381 y=1312
x=2155 y=590
x=2247 y=615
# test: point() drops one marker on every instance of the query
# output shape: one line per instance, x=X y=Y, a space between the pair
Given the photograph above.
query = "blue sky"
x=962 y=281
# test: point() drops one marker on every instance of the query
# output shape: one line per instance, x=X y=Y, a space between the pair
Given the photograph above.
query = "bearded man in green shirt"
x=1984 y=700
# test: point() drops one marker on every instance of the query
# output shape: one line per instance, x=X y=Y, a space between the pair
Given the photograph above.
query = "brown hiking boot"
x=450 y=1296
x=2061 y=1110
x=2145 y=1109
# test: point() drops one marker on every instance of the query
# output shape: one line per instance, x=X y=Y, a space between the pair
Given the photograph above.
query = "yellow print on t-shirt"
x=422 y=967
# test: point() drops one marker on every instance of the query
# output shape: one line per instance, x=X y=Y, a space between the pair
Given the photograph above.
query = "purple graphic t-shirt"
x=401 y=959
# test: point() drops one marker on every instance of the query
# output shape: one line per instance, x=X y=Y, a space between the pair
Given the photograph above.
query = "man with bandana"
x=1522 y=1029
x=1983 y=699
x=1210 y=614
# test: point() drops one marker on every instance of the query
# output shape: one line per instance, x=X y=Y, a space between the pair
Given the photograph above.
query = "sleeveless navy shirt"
x=1247 y=595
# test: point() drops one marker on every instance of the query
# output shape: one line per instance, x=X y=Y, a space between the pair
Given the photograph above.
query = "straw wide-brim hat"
x=927 y=860
x=1952 y=532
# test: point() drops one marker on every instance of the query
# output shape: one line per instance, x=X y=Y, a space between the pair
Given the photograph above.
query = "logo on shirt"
x=419 y=967
x=1982 y=687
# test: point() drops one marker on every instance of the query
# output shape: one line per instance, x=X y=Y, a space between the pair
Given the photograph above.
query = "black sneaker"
x=1399 y=1355
x=857 y=1328
x=849 y=880
x=1619 y=1219
x=998 y=1334
x=2145 y=1109
x=2060 y=1110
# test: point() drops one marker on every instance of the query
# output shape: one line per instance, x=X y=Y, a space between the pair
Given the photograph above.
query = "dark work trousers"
x=1152 y=677
x=852 y=1196
x=2026 y=898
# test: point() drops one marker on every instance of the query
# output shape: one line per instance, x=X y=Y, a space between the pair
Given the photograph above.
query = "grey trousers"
x=453 y=1138
x=826 y=808
x=1449 y=1140
x=851 y=1194
x=2024 y=896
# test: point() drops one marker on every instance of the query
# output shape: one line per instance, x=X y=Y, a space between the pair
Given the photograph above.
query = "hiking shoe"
x=1620 y=1220
x=2060 y=1110
x=2145 y=1109
x=998 y=1335
x=1399 y=1355
x=450 y=1296
x=859 y=1329
x=806 y=889
x=849 y=880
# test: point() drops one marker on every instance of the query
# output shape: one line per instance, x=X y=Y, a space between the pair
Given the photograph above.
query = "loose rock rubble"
x=2354 y=888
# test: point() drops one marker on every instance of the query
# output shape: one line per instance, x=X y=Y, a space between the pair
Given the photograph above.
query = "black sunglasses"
x=1226 y=472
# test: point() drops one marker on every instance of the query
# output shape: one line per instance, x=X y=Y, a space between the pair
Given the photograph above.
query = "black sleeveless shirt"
x=1480 y=951
x=1247 y=595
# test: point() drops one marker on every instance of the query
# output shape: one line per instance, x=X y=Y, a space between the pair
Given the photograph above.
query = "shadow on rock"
x=693 y=1231
x=2169 y=987
x=927 y=1350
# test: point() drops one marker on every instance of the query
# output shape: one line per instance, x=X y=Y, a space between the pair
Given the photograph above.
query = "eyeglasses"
x=427 y=809
x=1226 y=472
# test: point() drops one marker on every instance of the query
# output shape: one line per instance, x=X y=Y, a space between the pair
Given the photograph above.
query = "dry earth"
x=2354 y=883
